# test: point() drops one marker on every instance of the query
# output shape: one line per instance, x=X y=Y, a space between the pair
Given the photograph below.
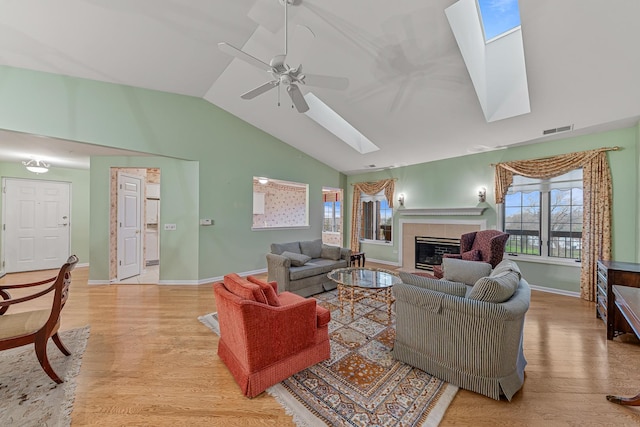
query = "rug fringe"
x=302 y=416
x=437 y=413
x=210 y=322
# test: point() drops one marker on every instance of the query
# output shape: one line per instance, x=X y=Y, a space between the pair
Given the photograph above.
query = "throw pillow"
x=506 y=265
x=312 y=248
x=457 y=270
x=451 y=288
x=331 y=252
x=297 y=260
x=269 y=292
x=472 y=255
x=279 y=248
x=240 y=287
x=496 y=289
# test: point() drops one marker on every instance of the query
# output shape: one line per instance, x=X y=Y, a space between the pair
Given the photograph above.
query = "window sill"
x=281 y=227
x=377 y=242
x=544 y=260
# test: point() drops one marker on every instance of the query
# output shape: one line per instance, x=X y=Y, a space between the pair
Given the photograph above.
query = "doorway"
x=147 y=220
x=332 y=219
x=36 y=217
x=129 y=226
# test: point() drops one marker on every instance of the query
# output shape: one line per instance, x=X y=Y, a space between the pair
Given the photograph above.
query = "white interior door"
x=37 y=224
x=129 y=226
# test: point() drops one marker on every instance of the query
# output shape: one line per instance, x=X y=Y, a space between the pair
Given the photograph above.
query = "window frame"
x=336 y=220
x=545 y=231
x=376 y=217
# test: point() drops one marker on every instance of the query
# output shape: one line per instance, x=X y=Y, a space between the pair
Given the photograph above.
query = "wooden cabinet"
x=612 y=273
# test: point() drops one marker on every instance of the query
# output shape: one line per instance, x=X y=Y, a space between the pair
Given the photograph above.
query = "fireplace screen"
x=429 y=250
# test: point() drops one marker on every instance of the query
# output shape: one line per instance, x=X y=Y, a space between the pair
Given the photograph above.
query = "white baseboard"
x=555 y=291
x=379 y=261
x=98 y=282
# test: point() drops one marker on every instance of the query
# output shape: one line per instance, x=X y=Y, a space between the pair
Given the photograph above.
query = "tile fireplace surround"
x=410 y=228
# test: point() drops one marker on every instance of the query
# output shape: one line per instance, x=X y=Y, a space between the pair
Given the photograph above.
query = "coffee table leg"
x=340 y=298
x=352 y=301
x=389 y=298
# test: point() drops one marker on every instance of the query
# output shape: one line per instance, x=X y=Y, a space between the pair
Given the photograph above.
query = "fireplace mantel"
x=444 y=211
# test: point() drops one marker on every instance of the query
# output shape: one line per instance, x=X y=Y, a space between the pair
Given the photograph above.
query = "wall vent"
x=557 y=130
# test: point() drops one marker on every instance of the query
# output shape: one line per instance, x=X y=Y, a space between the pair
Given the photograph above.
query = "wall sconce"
x=401 y=199
x=482 y=194
x=36 y=166
x=263 y=180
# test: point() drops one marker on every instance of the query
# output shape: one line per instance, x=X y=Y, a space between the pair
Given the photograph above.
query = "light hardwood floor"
x=150 y=362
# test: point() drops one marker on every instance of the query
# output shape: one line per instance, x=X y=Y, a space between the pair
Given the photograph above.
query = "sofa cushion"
x=311 y=248
x=506 y=265
x=330 y=252
x=245 y=290
x=315 y=267
x=297 y=260
x=446 y=287
x=267 y=289
x=472 y=255
x=496 y=289
x=279 y=248
x=457 y=270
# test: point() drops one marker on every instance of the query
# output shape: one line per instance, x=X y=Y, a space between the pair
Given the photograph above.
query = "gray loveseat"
x=470 y=336
x=302 y=267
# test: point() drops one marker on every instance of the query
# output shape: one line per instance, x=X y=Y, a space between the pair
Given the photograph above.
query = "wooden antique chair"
x=36 y=326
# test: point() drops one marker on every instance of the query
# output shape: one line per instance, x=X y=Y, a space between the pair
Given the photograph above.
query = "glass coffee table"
x=358 y=283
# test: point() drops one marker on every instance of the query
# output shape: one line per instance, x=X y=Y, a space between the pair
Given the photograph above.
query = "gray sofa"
x=302 y=267
x=470 y=336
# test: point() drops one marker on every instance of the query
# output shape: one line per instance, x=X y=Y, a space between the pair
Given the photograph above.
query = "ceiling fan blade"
x=260 y=90
x=329 y=82
x=234 y=51
x=297 y=98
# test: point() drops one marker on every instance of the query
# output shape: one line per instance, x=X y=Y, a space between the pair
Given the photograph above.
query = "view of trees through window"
x=545 y=221
x=332 y=221
x=377 y=219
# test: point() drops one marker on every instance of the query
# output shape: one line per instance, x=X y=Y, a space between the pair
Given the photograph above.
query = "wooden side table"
x=356 y=256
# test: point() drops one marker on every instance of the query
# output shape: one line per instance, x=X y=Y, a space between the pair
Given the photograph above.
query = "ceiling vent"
x=558 y=130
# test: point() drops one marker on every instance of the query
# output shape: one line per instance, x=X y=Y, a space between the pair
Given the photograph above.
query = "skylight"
x=498 y=17
x=334 y=123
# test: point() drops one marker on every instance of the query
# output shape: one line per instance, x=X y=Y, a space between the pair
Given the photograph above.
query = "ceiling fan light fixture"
x=36 y=166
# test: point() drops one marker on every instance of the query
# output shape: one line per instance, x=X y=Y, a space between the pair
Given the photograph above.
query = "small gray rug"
x=28 y=397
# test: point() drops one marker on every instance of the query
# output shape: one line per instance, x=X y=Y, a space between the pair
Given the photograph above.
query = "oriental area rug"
x=28 y=397
x=361 y=384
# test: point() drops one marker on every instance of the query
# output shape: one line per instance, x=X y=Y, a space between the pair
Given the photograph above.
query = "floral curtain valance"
x=370 y=188
x=597 y=200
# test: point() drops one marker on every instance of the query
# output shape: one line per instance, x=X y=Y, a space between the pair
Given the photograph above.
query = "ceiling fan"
x=282 y=73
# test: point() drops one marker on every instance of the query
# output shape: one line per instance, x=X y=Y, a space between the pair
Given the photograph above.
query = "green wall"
x=79 y=180
x=454 y=182
x=178 y=205
x=229 y=152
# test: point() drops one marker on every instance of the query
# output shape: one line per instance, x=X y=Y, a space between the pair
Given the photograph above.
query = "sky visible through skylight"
x=499 y=16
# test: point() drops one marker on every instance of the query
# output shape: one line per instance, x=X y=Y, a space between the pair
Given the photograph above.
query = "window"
x=279 y=204
x=498 y=17
x=544 y=217
x=332 y=222
x=377 y=218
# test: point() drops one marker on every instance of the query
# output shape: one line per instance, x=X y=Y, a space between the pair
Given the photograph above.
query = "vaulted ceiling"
x=409 y=93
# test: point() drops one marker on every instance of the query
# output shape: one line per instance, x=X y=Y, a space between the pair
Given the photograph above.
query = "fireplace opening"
x=429 y=251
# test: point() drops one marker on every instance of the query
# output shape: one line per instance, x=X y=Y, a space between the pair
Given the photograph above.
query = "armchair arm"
x=278 y=270
x=345 y=253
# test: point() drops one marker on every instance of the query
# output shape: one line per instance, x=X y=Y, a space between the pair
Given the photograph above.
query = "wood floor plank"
x=150 y=362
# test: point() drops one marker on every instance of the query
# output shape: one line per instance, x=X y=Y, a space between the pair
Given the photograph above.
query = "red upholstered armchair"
x=486 y=246
x=265 y=337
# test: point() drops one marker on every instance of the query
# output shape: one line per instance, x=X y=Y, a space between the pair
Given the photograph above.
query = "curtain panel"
x=369 y=188
x=597 y=199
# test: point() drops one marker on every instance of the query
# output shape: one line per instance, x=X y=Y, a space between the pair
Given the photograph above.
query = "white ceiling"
x=409 y=92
